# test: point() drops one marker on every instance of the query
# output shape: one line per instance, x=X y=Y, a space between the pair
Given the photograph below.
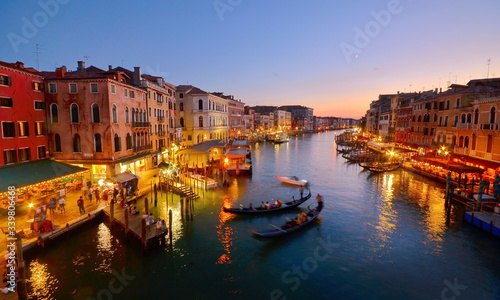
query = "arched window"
x=76 y=143
x=463 y=119
x=492 y=115
x=469 y=118
x=489 y=144
x=476 y=116
x=419 y=118
x=435 y=117
x=200 y=104
x=181 y=121
x=127 y=117
x=466 y=142
x=181 y=106
x=134 y=140
x=128 y=141
x=413 y=118
x=54 y=113
x=98 y=142
x=75 y=114
x=200 y=121
x=114 y=114
x=57 y=142
x=96 y=116
x=118 y=143
x=461 y=142
x=474 y=140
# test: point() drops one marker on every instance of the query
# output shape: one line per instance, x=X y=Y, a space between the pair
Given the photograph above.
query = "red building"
x=22 y=115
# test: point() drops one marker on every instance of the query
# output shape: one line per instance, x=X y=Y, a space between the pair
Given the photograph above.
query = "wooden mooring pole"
x=170 y=225
x=127 y=229
x=112 y=213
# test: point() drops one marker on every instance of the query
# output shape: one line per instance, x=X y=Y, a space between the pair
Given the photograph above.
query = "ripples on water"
x=390 y=232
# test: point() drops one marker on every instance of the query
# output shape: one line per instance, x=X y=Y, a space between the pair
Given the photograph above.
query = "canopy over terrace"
x=449 y=165
x=34 y=173
x=202 y=153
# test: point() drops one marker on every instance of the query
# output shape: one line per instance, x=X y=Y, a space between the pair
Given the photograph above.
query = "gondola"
x=293 y=180
x=259 y=210
x=289 y=226
x=383 y=167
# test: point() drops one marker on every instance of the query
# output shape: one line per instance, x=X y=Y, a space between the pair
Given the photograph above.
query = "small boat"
x=383 y=167
x=290 y=226
x=293 y=180
x=258 y=210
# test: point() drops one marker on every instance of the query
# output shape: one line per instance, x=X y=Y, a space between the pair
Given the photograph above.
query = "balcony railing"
x=489 y=126
x=461 y=150
x=464 y=126
x=140 y=124
x=142 y=148
x=160 y=118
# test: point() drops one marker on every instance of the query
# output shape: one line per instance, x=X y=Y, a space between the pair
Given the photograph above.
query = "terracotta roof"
x=19 y=66
x=189 y=89
x=90 y=73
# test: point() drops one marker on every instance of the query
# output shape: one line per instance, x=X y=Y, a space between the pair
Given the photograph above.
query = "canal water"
x=380 y=236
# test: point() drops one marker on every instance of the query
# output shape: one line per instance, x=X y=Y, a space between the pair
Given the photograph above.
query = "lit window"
x=23 y=129
x=37 y=86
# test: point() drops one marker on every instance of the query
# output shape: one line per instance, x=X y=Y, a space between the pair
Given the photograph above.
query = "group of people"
x=150 y=220
x=267 y=205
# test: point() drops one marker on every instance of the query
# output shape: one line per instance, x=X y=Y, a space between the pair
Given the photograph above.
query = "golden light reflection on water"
x=43 y=284
x=104 y=248
x=427 y=197
x=225 y=232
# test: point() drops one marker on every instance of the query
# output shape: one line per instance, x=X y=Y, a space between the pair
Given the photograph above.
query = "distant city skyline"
x=335 y=57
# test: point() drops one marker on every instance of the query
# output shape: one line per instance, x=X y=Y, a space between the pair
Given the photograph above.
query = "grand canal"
x=381 y=236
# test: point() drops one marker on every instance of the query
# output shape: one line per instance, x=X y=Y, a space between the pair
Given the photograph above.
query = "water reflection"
x=43 y=284
x=105 y=248
x=225 y=232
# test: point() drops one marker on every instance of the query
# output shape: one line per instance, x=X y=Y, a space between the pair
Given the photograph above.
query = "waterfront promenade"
x=72 y=218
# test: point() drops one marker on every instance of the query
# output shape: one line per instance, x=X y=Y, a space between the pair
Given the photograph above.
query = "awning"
x=133 y=157
x=34 y=172
x=477 y=161
x=124 y=177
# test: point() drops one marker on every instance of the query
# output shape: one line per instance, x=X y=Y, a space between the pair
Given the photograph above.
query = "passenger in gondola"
x=268 y=206
x=263 y=205
x=250 y=207
x=278 y=203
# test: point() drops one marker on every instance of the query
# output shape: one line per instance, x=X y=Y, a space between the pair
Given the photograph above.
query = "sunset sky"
x=333 y=56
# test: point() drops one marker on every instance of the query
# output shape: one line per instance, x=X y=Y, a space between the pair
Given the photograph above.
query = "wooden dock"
x=133 y=225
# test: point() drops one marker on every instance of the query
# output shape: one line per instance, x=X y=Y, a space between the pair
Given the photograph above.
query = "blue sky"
x=267 y=52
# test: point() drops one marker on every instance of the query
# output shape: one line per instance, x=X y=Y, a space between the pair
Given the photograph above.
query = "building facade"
x=22 y=115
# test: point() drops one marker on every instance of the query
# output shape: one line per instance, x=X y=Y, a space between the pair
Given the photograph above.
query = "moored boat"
x=292 y=202
x=290 y=226
x=293 y=180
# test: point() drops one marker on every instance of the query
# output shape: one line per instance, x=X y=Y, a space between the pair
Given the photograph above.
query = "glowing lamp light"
x=31 y=205
x=101 y=182
x=226 y=160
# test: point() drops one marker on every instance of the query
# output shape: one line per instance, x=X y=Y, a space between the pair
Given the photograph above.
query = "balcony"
x=140 y=124
x=464 y=126
x=161 y=133
x=160 y=118
x=461 y=150
x=491 y=126
x=142 y=148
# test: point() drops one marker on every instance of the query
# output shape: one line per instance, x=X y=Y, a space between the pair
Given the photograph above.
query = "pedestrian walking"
x=105 y=197
x=97 y=195
x=91 y=192
x=62 y=205
x=81 y=205
x=52 y=206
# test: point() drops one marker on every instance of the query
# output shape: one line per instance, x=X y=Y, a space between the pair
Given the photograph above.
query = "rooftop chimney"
x=159 y=81
x=81 y=66
x=136 y=77
x=110 y=67
x=61 y=72
x=19 y=64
